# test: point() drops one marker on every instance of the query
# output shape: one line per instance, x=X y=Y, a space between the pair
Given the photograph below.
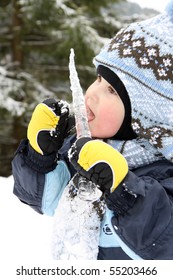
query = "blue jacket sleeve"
x=38 y=180
x=28 y=182
x=143 y=207
x=55 y=182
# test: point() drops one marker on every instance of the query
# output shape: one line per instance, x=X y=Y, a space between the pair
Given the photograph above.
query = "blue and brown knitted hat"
x=141 y=55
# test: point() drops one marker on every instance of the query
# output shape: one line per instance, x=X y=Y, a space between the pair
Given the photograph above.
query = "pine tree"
x=38 y=35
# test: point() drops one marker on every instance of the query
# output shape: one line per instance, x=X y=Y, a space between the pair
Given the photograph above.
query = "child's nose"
x=92 y=96
x=92 y=99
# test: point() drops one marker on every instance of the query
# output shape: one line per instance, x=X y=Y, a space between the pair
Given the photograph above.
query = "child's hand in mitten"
x=49 y=125
x=98 y=162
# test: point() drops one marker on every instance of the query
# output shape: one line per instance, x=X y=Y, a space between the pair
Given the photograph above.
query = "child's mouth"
x=90 y=114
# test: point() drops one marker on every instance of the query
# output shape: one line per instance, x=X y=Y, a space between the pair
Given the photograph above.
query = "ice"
x=82 y=127
x=77 y=224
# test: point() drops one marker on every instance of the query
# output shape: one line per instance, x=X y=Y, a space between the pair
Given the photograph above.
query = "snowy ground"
x=24 y=234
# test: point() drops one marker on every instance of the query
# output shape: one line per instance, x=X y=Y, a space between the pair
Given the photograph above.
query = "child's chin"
x=98 y=136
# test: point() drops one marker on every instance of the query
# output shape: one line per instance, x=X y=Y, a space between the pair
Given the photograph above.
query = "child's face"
x=105 y=109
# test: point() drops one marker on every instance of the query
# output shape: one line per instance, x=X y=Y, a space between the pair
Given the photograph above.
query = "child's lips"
x=90 y=115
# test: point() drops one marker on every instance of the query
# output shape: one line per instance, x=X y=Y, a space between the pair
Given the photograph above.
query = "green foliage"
x=49 y=30
x=46 y=32
x=40 y=16
x=90 y=7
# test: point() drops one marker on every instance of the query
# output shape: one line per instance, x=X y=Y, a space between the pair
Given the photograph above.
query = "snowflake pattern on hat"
x=145 y=56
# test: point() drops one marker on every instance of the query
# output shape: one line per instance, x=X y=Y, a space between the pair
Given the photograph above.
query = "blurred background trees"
x=35 y=41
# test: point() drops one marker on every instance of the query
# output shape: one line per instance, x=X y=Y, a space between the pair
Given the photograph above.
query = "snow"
x=25 y=234
x=8 y=85
x=158 y=5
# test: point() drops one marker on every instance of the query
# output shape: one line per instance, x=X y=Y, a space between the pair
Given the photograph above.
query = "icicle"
x=81 y=207
x=82 y=127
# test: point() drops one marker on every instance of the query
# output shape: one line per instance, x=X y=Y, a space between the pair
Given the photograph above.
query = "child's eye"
x=112 y=90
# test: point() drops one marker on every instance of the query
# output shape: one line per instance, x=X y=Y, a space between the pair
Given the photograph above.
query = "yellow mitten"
x=49 y=125
x=98 y=162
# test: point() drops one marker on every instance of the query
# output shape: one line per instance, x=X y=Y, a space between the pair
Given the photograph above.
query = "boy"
x=129 y=106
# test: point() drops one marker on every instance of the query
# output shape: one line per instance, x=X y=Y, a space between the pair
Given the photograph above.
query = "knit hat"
x=125 y=132
x=141 y=55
